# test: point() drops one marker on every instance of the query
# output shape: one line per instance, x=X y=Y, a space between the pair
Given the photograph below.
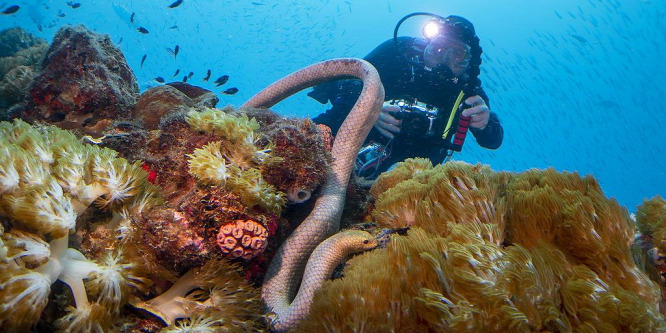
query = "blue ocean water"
x=577 y=84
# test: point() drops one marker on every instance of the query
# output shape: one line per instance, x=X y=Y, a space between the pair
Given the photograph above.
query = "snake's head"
x=370 y=243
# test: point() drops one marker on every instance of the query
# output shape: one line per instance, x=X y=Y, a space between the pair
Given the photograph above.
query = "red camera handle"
x=461 y=133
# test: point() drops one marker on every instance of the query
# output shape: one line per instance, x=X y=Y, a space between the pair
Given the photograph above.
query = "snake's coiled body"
x=286 y=268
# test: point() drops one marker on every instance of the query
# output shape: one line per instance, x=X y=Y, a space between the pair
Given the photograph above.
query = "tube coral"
x=244 y=239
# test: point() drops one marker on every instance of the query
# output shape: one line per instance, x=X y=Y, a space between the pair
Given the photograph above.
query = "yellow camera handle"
x=453 y=114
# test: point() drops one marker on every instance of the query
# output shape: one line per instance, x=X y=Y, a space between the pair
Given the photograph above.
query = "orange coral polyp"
x=246 y=240
x=228 y=243
x=257 y=243
x=242 y=238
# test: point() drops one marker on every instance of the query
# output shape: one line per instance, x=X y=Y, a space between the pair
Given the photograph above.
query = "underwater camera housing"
x=417 y=118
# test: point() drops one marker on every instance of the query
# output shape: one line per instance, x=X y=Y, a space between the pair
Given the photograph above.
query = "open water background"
x=578 y=85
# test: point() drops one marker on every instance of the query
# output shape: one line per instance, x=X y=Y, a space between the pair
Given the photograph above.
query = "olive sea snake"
x=286 y=268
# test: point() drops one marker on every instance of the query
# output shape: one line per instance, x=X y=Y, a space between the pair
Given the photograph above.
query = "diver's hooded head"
x=461 y=29
x=440 y=31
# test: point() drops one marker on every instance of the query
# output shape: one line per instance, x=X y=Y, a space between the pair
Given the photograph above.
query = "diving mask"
x=443 y=50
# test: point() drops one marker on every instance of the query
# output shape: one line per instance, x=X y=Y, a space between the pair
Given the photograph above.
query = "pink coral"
x=242 y=238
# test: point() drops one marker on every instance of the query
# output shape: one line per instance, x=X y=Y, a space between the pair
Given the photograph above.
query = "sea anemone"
x=539 y=250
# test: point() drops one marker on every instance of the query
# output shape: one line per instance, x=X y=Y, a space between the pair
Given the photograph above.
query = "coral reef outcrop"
x=207 y=166
x=52 y=185
x=85 y=83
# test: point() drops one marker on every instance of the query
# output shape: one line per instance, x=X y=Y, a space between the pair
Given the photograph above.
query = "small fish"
x=221 y=80
x=175 y=50
x=579 y=38
x=143 y=59
x=61 y=14
x=159 y=79
x=189 y=76
x=176 y=4
x=132 y=18
x=185 y=78
x=258 y=3
x=73 y=4
x=176 y=73
x=173 y=27
x=120 y=40
x=11 y=10
x=142 y=30
x=230 y=91
x=207 y=76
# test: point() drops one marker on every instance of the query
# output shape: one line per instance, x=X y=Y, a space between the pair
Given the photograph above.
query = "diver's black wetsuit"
x=403 y=75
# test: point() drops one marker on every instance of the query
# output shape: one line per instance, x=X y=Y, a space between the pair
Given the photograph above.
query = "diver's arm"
x=492 y=135
x=333 y=117
x=342 y=95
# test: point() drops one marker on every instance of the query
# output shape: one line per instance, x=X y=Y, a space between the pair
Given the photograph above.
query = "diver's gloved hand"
x=386 y=124
x=478 y=110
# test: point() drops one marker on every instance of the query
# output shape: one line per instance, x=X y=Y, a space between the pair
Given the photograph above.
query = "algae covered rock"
x=158 y=103
x=85 y=83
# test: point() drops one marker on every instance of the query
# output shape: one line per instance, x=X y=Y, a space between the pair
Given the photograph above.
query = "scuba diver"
x=433 y=96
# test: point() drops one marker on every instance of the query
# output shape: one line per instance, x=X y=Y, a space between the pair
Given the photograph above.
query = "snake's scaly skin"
x=286 y=268
x=323 y=261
